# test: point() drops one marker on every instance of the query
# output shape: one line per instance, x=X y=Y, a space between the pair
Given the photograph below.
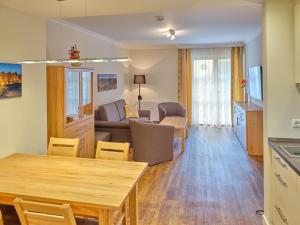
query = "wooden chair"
x=63 y=147
x=32 y=213
x=112 y=151
x=115 y=151
x=1 y=219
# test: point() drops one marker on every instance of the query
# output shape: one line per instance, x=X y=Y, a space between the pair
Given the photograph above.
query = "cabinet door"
x=235 y=118
x=87 y=145
x=72 y=92
x=90 y=143
x=86 y=87
x=241 y=128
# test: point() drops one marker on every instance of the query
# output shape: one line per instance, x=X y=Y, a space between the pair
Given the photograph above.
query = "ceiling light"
x=171 y=34
x=91 y=60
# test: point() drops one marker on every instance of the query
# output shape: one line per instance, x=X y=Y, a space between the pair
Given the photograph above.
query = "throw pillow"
x=131 y=112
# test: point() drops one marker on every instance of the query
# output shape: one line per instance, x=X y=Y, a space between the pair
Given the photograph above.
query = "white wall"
x=160 y=68
x=23 y=119
x=281 y=95
x=253 y=57
x=62 y=36
x=253 y=52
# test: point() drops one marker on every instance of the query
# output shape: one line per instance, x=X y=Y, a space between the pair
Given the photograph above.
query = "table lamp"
x=139 y=79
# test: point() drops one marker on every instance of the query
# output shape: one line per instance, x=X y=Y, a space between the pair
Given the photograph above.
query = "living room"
x=191 y=92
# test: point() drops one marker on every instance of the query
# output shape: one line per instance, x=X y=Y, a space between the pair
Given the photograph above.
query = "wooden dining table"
x=93 y=187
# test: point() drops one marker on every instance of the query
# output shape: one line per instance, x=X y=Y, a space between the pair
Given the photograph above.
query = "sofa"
x=170 y=109
x=111 y=118
x=152 y=143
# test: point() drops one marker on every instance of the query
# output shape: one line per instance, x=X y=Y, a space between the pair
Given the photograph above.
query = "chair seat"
x=10 y=217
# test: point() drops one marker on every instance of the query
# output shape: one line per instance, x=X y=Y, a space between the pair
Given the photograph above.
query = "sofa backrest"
x=114 y=111
x=109 y=112
x=120 y=104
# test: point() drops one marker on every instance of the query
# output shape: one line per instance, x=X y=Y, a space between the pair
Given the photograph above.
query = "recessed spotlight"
x=171 y=34
x=160 y=18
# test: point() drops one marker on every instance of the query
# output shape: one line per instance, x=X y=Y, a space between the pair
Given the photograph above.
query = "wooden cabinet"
x=286 y=194
x=248 y=127
x=70 y=106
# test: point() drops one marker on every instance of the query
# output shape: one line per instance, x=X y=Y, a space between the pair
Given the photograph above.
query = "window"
x=211 y=81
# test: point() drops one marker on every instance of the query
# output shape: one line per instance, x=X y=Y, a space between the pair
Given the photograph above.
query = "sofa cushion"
x=96 y=114
x=121 y=108
x=109 y=112
x=102 y=136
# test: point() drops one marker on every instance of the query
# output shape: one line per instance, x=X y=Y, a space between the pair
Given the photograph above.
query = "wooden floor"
x=213 y=183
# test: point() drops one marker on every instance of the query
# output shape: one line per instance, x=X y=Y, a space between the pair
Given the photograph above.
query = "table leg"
x=105 y=217
x=124 y=211
x=133 y=206
x=187 y=132
x=182 y=139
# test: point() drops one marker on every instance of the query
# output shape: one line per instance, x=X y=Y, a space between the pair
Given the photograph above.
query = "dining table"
x=92 y=187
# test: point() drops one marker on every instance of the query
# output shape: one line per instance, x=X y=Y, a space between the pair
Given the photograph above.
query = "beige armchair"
x=152 y=143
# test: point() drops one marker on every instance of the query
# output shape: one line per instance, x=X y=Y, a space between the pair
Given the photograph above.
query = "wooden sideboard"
x=70 y=106
x=248 y=127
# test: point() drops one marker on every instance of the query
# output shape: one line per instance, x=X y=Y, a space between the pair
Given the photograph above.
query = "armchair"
x=152 y=143
x=170 y=109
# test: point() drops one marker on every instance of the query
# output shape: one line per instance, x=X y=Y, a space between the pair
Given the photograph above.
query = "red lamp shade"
x=139 y=79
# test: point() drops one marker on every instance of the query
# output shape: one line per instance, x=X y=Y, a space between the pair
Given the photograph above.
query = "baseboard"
x=265 y=221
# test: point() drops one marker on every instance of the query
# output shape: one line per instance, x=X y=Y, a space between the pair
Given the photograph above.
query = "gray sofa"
x=152 y=143
x=170 y=109
x=111 y=118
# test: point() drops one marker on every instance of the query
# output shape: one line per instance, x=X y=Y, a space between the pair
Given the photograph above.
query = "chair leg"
x=1 y=218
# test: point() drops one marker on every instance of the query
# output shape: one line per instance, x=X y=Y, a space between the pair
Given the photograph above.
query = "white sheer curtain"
x=211 y=85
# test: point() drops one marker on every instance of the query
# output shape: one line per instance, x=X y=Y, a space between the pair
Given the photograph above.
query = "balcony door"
x=211 y=85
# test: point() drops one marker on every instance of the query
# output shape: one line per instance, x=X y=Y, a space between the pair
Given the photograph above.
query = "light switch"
x=296 y=123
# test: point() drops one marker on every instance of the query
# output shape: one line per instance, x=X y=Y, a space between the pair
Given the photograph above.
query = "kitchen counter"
x=275 y=144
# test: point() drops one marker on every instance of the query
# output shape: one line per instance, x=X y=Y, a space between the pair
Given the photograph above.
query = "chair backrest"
x=152 y=143
x=112 y=151
x=63 y=147
x=1 y=219
x=32 y=213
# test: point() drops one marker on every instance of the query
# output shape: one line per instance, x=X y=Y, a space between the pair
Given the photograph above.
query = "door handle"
x=282 y=164
x=283 y=183
x=284 y=219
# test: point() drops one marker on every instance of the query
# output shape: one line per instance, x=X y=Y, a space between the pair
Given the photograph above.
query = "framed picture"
x=107 y=82
x=10 y=80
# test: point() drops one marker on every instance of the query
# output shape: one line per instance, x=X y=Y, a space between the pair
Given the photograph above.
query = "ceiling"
x=134 y=24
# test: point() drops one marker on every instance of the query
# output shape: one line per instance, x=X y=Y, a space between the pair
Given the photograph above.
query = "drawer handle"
x=284 y=219
x=282 y=164
x=283 y=183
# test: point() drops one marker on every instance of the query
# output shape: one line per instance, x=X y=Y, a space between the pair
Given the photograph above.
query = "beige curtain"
x=237 y=74
x=185 y=81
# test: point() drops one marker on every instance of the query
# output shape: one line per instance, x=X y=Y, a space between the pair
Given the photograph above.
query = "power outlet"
x=296 y=123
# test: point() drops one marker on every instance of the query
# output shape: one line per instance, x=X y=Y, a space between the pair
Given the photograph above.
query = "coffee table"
x=181 y=127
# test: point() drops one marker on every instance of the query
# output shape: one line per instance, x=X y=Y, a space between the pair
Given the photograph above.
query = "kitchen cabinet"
x=248 y=127
x=286 y=193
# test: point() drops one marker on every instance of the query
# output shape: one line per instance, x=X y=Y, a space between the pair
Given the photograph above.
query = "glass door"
x=72 y=94
x=86 y=87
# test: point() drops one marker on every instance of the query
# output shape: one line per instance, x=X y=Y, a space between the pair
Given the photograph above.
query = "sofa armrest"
x=162 y=113
x=111 y=124
x=145 y=113
x=183 y=112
